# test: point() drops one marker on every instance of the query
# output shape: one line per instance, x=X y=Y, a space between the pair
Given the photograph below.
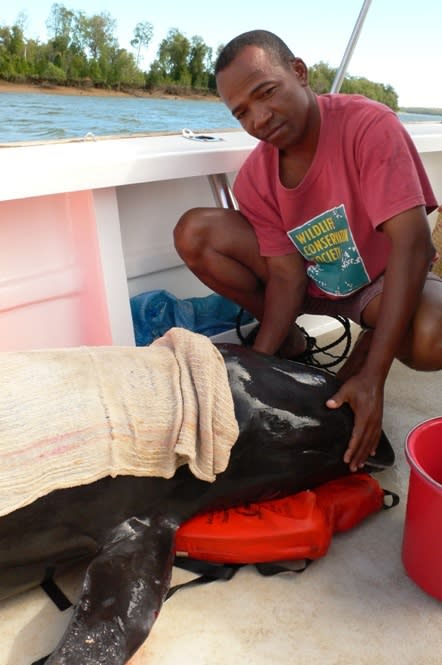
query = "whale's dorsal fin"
x=122 y=594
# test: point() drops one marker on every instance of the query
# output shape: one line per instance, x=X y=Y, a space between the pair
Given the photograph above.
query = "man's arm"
x=409 y=262
x=284 y=295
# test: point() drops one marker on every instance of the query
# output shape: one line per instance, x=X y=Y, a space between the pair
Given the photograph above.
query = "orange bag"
x=295 y=527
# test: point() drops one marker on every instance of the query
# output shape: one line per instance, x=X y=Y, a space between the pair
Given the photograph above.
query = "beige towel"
x=72 y=416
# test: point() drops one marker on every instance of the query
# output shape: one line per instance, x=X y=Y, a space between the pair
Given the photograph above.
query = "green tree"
x=377 y=91
x=101 y=45
x=13 y=55
x=17 y=44
x=143 y=34
x=173 y=55
x=155 y=76
x=99 y=35
x=53 y=73
x=59 y=26
x=200 y=61
x=6 y=68
x=60 y=22
x=321 y=77
x=124 y=70
x=66 y=51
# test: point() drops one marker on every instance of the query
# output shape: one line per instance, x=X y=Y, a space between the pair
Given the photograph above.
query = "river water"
x=37 y=117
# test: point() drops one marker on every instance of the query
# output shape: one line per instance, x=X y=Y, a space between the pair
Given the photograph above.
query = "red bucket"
x=422 y=542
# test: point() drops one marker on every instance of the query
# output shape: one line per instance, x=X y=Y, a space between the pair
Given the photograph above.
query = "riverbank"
x=90 y=91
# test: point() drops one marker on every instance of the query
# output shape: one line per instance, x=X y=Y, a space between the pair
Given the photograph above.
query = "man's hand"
x=366 y=400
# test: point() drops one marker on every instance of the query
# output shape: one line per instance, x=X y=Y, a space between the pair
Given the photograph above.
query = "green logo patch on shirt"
x=327 y=243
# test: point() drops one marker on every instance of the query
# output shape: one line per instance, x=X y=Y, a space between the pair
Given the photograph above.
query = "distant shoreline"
x=421 y=111
x=49 y=89
x=91 y=91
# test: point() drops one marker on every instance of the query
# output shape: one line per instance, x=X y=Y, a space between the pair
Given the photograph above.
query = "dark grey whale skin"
x=288 y=441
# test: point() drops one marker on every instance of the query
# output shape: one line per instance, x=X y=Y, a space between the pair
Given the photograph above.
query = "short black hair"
x=269 y=42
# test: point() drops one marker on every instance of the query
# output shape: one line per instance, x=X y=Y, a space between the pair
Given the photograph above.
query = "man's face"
x=272 y=102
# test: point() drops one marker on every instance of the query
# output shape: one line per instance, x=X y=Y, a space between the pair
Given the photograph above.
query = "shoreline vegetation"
x=84 y=51
x=422 y=110
x=161 y=92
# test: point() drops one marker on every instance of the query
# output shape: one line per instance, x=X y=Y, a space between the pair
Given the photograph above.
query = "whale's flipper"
x=122 y=594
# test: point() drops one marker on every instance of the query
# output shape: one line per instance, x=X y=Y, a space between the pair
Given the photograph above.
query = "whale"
x=124 y=527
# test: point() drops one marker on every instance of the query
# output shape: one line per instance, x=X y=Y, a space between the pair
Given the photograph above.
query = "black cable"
x=313 y=348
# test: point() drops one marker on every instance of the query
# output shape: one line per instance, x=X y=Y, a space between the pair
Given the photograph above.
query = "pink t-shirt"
x=366 y=170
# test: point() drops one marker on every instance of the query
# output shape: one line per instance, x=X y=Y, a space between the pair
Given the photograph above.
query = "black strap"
x=57 y=596
x=388 y=494
x=269 y=569
x=218 y=571
x=207 y=571
x=202 y=579
x=54 y=592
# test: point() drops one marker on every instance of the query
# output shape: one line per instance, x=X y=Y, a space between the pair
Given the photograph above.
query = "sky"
x=400 y=44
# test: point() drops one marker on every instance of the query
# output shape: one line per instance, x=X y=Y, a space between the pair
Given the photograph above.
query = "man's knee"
x=217 y=229
x=191 y=220
x=188 y=231
x=425 y=350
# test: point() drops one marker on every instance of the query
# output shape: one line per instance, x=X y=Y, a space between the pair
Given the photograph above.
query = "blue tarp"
x=154 y=312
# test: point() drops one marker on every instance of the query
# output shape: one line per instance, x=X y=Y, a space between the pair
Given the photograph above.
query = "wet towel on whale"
x=72 y=416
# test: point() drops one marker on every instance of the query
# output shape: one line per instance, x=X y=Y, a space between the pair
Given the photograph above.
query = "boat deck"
x=355 y=606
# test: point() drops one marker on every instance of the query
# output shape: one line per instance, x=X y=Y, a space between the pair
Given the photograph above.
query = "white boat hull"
x=85 y=225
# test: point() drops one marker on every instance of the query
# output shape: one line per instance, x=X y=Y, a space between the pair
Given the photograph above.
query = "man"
x=333 y=205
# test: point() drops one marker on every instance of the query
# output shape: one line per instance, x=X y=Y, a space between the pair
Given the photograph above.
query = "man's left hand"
x=366 y=400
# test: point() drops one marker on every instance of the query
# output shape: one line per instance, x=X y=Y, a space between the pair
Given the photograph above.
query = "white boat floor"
x=356 y=606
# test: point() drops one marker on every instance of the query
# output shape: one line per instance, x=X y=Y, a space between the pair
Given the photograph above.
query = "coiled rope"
x=309 y=356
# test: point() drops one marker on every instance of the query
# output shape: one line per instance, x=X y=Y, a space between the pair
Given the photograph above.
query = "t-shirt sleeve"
x=254 y=190
x=392 y=176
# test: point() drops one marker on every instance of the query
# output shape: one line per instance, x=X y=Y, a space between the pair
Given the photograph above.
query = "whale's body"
x=288 y=441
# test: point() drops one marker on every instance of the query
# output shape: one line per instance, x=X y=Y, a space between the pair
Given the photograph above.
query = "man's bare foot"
x=294 y=344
